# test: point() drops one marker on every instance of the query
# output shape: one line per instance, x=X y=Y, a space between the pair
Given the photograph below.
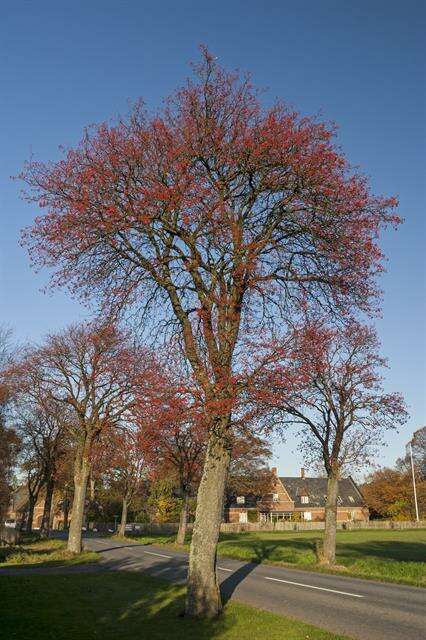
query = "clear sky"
x=64 y=65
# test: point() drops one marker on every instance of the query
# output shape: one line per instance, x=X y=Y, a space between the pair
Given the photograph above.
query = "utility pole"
x=414 y=481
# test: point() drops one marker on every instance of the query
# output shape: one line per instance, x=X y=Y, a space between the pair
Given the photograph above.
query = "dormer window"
x=304 y=499
x=351 y=499
x=241 y=500
x=275 y=497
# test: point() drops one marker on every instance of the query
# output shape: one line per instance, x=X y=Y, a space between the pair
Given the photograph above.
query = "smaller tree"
x=418 y=447
x=9 y=441
x=173 y=432
x=389 y=493
x=249 y=472
x=42 y=430
x=127 y=469
x=9 y=447
x=339 y=404
x=163 y=505
x=92 y=371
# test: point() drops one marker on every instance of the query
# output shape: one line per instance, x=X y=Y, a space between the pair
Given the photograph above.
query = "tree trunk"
x=46 y=519
x=203 y=595
x=81 y=476
x=122 y=528
x=92 y=489
x=31 y=504
x=329 y=550
x=180 y=538
x=66 y=508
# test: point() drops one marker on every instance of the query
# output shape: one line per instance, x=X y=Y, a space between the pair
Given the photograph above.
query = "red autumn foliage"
x=95 y=372
x=338 y=401
x=230 y=218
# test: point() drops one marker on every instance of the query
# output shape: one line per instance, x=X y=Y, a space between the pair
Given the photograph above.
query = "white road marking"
x=161 y=555
x=310 y=586
x=225 y=569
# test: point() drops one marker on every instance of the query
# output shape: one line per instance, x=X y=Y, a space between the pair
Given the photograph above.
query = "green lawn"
x=388 y=555
x=127 y=606
x=43 y=553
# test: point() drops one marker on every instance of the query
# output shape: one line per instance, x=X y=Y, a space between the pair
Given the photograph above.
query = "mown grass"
x=44 y=552
x=386 y=555
x=128 y=606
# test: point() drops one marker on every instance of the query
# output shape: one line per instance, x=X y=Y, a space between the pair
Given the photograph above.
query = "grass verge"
x=43 y=553
x=128 y=606
x=385 y=555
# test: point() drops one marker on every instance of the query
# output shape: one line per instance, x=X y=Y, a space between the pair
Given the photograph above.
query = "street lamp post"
x=414 y=481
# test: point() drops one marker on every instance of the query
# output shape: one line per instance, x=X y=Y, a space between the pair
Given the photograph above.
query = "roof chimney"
x=302 y=472
x=274 y=471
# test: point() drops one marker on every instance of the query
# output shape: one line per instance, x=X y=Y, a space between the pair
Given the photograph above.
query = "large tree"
x=93 y=370
x=338 y=404
x=220 y=218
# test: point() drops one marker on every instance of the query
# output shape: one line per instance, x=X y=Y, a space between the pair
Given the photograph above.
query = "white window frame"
x=241 y=500
x=275 y=497
x=307 y=515
x=243 y=517
x=304 y=499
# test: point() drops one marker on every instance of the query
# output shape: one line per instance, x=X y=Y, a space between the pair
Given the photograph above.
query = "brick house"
x=297 y=499
x=18 y=509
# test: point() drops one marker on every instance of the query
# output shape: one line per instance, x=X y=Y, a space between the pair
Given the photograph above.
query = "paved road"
x=358 y=608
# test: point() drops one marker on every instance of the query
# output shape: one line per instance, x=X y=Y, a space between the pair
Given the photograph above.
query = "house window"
x=243 y=516
x=351 y=499
x=241 y=500
x=307 y=515
x=275 y=497
x=305 y=499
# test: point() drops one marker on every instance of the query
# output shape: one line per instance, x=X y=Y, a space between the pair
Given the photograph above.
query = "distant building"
x=297 y=499
x=18 y=509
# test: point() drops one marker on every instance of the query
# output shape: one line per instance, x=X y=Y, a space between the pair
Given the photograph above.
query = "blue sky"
x=362 y=64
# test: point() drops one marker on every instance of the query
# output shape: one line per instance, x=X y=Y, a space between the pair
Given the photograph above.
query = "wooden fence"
x=170 y=528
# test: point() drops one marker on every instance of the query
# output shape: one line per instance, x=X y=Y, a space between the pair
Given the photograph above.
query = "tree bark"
x=66 y=508
x=81 y=476
x=329 y=550
x=31 y=504
x=183 y=521
x=203 y=595
x=46 y=519
x=122 y=528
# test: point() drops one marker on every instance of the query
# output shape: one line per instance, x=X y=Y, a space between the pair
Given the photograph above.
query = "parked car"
x=10 y=523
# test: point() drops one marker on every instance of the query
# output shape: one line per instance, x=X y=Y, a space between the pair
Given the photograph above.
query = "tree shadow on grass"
x=257 y=550
x=110 y=605
x=389 y=550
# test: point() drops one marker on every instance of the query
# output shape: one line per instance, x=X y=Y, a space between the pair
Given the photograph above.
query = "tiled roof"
x=316 y=490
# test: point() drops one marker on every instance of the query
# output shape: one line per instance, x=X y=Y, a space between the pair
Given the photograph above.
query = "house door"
x=243 y=516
